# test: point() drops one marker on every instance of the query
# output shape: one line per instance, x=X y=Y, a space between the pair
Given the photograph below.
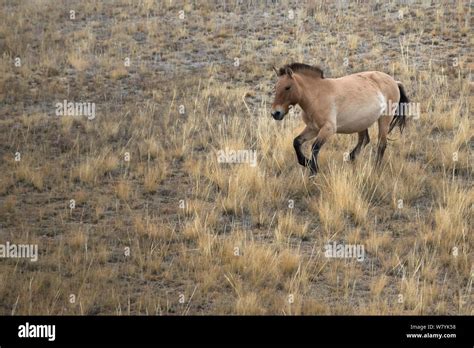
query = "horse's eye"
x=287 y=88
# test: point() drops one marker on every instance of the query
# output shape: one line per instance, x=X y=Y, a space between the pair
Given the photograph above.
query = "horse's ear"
x=289 y=72
x=275 y=70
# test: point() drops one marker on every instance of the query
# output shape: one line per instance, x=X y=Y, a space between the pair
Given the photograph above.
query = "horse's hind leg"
x=363 y=140
x=384 y=124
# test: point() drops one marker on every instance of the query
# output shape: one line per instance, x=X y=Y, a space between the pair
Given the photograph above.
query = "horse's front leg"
x=307 y=134
x=326 y=131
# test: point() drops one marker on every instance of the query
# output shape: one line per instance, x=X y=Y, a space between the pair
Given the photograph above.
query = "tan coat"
x=349 y=104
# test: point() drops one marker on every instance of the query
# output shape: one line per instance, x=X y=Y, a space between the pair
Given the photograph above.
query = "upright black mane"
x=301 y=67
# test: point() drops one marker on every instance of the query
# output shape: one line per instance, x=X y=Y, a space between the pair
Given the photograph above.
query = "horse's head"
x=286 y=93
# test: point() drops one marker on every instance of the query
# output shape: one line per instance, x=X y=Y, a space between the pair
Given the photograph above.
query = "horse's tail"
x=400 y=119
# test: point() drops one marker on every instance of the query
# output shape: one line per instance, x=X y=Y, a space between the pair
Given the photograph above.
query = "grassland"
x=133 y=213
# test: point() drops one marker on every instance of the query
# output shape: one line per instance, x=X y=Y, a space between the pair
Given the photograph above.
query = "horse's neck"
x=309 y=92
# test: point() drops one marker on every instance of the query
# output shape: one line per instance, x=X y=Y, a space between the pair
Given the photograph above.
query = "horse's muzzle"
x=278 y=115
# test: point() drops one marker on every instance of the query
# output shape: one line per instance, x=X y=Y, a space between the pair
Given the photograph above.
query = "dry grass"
x=160 y=226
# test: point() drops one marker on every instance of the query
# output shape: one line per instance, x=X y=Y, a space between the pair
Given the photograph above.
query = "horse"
x=344 y=105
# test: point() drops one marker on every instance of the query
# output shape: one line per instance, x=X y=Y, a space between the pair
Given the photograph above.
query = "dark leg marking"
x=315 y=151
x=364 y=139
x=302 y=160
x=380 y=152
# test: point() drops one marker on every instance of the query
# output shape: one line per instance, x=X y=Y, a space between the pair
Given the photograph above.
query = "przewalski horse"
x=345 y=105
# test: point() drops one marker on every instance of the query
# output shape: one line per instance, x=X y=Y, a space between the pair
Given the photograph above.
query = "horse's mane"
x=301 y=67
